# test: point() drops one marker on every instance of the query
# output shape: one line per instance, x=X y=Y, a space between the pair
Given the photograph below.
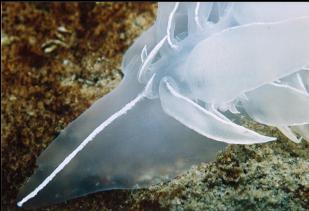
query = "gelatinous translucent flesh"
x=205 y=122
x=211 y=57
x=235 y=60
x=140 y=148
x=288 y=106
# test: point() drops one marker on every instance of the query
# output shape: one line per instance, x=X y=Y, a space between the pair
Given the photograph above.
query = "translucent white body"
x=197 y=62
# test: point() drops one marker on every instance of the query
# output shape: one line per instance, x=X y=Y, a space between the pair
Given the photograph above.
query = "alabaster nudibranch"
x=198 y=65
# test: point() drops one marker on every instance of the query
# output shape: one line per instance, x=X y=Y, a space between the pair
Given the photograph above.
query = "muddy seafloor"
x=57 y=59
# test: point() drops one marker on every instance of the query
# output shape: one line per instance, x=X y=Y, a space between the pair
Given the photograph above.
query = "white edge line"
x=89 y=138
x=169 y=25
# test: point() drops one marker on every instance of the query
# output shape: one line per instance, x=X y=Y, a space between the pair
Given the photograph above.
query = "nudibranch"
x=184 y=77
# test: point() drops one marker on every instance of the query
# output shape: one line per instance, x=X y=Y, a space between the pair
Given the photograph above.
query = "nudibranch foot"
x=138 y=149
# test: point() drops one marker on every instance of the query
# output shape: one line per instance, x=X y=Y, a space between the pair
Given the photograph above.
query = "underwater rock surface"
x=36 y=107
